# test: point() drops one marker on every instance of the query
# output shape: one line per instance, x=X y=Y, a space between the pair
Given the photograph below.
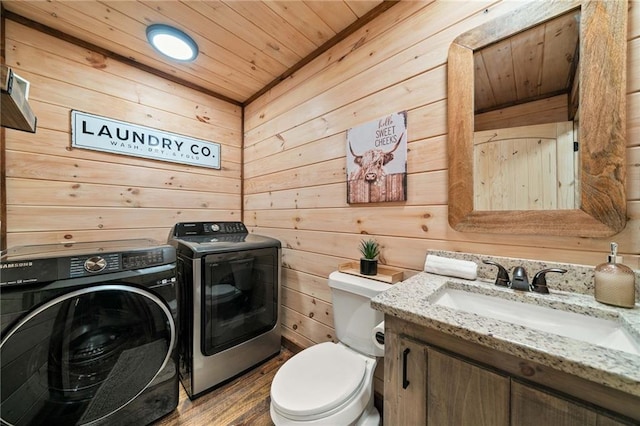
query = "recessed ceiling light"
x=172 y=42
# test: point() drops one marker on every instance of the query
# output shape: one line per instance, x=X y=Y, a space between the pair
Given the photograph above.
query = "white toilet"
x=332 y=383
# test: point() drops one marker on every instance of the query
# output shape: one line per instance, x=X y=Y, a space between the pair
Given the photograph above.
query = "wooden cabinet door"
x=534 y=407
x=405 y=388
x=463 y=394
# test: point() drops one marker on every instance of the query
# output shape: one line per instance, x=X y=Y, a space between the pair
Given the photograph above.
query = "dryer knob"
x=95 y=264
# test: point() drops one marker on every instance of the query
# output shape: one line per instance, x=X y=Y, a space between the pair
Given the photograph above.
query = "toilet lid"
x=317 y=380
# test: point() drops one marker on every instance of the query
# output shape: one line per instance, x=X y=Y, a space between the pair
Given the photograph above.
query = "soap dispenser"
x=615 y=282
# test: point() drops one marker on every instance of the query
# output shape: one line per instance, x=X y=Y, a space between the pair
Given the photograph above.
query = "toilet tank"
x=353 y=317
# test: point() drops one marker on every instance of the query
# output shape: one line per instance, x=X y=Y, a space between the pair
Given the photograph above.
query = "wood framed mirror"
x=596 y=96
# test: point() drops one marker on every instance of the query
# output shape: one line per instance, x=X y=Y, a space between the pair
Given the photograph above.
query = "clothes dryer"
x=230 y=301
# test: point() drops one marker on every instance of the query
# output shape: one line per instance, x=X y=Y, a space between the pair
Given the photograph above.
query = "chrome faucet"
x=521 y=281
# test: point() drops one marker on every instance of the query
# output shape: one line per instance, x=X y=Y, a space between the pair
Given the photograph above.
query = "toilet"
x=332 y=383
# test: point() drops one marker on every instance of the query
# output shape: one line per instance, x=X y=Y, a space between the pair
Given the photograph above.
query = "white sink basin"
x=606 y=333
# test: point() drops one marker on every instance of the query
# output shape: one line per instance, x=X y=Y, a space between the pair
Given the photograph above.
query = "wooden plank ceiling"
x=244 y=45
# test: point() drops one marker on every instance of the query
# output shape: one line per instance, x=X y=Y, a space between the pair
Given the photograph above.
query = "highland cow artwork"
x=377 y=160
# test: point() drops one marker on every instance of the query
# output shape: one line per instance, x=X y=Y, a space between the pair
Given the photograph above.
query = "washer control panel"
x=80 y=266
x=39 y=269
x=142 y=259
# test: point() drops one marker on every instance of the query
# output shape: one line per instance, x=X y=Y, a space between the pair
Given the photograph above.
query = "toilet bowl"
x=326 y=384
x=332 y=383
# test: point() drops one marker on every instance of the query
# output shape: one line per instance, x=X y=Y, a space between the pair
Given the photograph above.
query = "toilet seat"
x=318 y=381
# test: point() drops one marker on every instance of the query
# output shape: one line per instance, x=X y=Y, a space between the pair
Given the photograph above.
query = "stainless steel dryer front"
x=229 y=284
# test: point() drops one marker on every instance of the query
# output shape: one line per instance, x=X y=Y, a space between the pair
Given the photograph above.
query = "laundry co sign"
x=90 y=131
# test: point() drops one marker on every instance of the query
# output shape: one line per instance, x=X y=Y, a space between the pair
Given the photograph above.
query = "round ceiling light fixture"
x=172 y=42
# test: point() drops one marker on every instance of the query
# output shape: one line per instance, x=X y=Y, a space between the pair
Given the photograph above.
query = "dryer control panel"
x=186 y=229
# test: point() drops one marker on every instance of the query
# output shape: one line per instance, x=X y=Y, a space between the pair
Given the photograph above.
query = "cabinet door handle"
x=405 y=355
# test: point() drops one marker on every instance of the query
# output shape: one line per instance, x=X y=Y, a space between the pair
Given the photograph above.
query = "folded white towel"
x=451 y=267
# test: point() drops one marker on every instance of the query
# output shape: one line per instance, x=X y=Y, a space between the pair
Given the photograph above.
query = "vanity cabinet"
x=435 y=379
x=439 y=389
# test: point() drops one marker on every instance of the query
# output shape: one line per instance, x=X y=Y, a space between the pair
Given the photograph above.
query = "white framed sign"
x=98 y=133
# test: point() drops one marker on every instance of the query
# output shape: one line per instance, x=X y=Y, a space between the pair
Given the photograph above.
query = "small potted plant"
x=369 y=260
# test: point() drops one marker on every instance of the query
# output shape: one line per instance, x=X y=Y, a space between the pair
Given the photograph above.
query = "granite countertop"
x=410 y=300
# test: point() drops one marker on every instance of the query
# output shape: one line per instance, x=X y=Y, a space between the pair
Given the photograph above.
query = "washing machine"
x=88 y=333
x=230 y=301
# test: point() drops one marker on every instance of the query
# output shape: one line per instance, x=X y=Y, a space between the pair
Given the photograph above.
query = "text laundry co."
x=104 y=134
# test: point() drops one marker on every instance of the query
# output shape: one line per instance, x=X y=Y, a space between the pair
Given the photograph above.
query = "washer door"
x=80 y=357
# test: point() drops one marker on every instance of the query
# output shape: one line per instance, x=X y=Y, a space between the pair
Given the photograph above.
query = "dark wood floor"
x=243 y=401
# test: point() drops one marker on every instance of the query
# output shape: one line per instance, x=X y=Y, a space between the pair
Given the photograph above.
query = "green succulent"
x=369 y=249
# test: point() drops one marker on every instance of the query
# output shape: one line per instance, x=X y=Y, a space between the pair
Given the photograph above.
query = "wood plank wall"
x=58 y=194
x=294 y=159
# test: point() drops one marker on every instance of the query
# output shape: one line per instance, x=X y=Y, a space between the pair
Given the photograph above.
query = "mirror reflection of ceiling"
x=535 y=64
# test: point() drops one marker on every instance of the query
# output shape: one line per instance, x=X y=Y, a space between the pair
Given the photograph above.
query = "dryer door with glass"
x=239 y=295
